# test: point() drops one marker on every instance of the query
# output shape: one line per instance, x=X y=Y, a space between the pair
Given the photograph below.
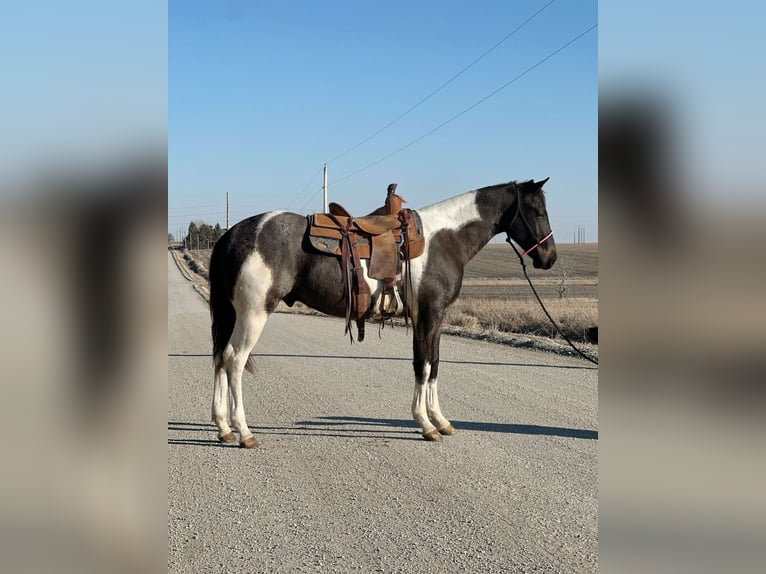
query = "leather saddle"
x=387 y=238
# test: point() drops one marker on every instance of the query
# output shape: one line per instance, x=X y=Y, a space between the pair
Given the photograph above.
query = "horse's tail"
x=223 y=272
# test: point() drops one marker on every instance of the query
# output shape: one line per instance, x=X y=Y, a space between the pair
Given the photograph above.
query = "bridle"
x=518 y=213
x=524 y=269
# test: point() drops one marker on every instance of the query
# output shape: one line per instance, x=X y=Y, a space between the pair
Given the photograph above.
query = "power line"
x=305 y=187
x=444 y=85
x=176 y=207
x=194 y=214
x=469 y=108
x=310 y=199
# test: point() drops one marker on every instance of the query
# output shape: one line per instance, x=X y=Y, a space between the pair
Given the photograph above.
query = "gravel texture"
x=344 y=483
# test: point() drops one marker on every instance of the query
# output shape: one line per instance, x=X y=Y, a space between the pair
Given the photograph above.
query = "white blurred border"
x=682 y=236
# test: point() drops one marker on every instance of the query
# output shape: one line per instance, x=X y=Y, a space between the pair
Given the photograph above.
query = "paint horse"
x=267 y=258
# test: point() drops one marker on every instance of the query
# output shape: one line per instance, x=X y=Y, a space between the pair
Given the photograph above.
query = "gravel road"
x=344 y=483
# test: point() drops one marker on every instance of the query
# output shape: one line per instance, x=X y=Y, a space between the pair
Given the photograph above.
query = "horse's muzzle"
x=545 y=262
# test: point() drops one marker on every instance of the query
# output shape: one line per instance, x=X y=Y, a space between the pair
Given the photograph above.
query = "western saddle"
x=388 y=238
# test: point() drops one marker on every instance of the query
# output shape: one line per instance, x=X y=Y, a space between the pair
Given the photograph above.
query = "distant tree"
x=171 y=238
x=192 y=235
x=203 y=234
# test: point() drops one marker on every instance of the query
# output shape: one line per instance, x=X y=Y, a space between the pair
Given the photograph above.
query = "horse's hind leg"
x=247 y=331
x=221 y=405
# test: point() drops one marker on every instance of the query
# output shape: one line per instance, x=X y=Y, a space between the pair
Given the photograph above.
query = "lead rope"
x=405 y=253
x=558 y=330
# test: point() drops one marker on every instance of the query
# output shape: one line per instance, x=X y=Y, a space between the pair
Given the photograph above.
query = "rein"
x=531 y=286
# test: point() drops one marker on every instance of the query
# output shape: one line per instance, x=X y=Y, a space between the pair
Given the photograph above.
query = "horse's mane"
x=498 y=186
x=463 y=197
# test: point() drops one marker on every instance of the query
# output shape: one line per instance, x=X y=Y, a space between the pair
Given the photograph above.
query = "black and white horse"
x=267 y=258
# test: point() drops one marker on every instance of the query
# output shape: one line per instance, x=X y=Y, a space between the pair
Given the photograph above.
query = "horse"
x=267 y=258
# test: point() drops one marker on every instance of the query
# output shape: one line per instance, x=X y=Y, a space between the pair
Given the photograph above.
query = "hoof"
x=249 y=442
x=432 y=436
x=227 y=438
x=449 y=430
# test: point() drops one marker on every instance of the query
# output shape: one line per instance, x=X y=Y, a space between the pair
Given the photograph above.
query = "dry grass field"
x=495 y=273
x=496 y=298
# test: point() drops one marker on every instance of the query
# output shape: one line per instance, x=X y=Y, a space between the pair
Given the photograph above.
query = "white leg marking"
x=249 y=300
x=221 y=402
x=231 y=405
x=433 y=408
x=420 y=400
x=249 y=332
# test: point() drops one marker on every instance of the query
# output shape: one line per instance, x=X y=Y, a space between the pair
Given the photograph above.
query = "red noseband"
x=536 y=245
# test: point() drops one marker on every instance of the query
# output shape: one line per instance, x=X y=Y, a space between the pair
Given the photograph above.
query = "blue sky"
x=262 y=94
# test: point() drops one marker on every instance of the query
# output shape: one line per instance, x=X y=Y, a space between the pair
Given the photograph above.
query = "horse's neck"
x=461 y=215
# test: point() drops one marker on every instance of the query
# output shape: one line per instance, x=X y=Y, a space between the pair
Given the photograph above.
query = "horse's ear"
x=529 y=186
x=541 y=183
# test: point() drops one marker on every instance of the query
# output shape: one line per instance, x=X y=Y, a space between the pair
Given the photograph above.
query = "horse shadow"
x=384 y=429
x=507 y=428
x=186 y=426
x=295 y=429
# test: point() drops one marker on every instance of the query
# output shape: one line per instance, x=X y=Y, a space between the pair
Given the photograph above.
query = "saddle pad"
x=332 y=245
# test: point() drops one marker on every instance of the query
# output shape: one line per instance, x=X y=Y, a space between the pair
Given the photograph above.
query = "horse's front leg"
x=425 y=403
x=432 y=402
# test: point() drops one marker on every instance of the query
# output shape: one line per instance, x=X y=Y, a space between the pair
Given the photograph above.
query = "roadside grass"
x=574 y=316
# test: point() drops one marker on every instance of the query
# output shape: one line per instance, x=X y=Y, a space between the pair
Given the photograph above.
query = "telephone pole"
x=324 y=188
x=227 y=210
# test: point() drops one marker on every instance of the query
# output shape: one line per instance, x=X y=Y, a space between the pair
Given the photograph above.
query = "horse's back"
x=274 y=237
x=258 y=232
x=244 y=236
x=269 y=255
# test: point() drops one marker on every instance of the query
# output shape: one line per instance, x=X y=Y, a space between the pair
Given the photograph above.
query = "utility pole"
x=324 y=188
x=227 y=210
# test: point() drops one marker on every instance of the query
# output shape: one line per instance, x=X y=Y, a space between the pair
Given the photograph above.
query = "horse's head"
x=529 y=226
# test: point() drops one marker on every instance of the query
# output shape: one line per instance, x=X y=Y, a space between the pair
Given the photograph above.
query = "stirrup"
x=386 y=299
